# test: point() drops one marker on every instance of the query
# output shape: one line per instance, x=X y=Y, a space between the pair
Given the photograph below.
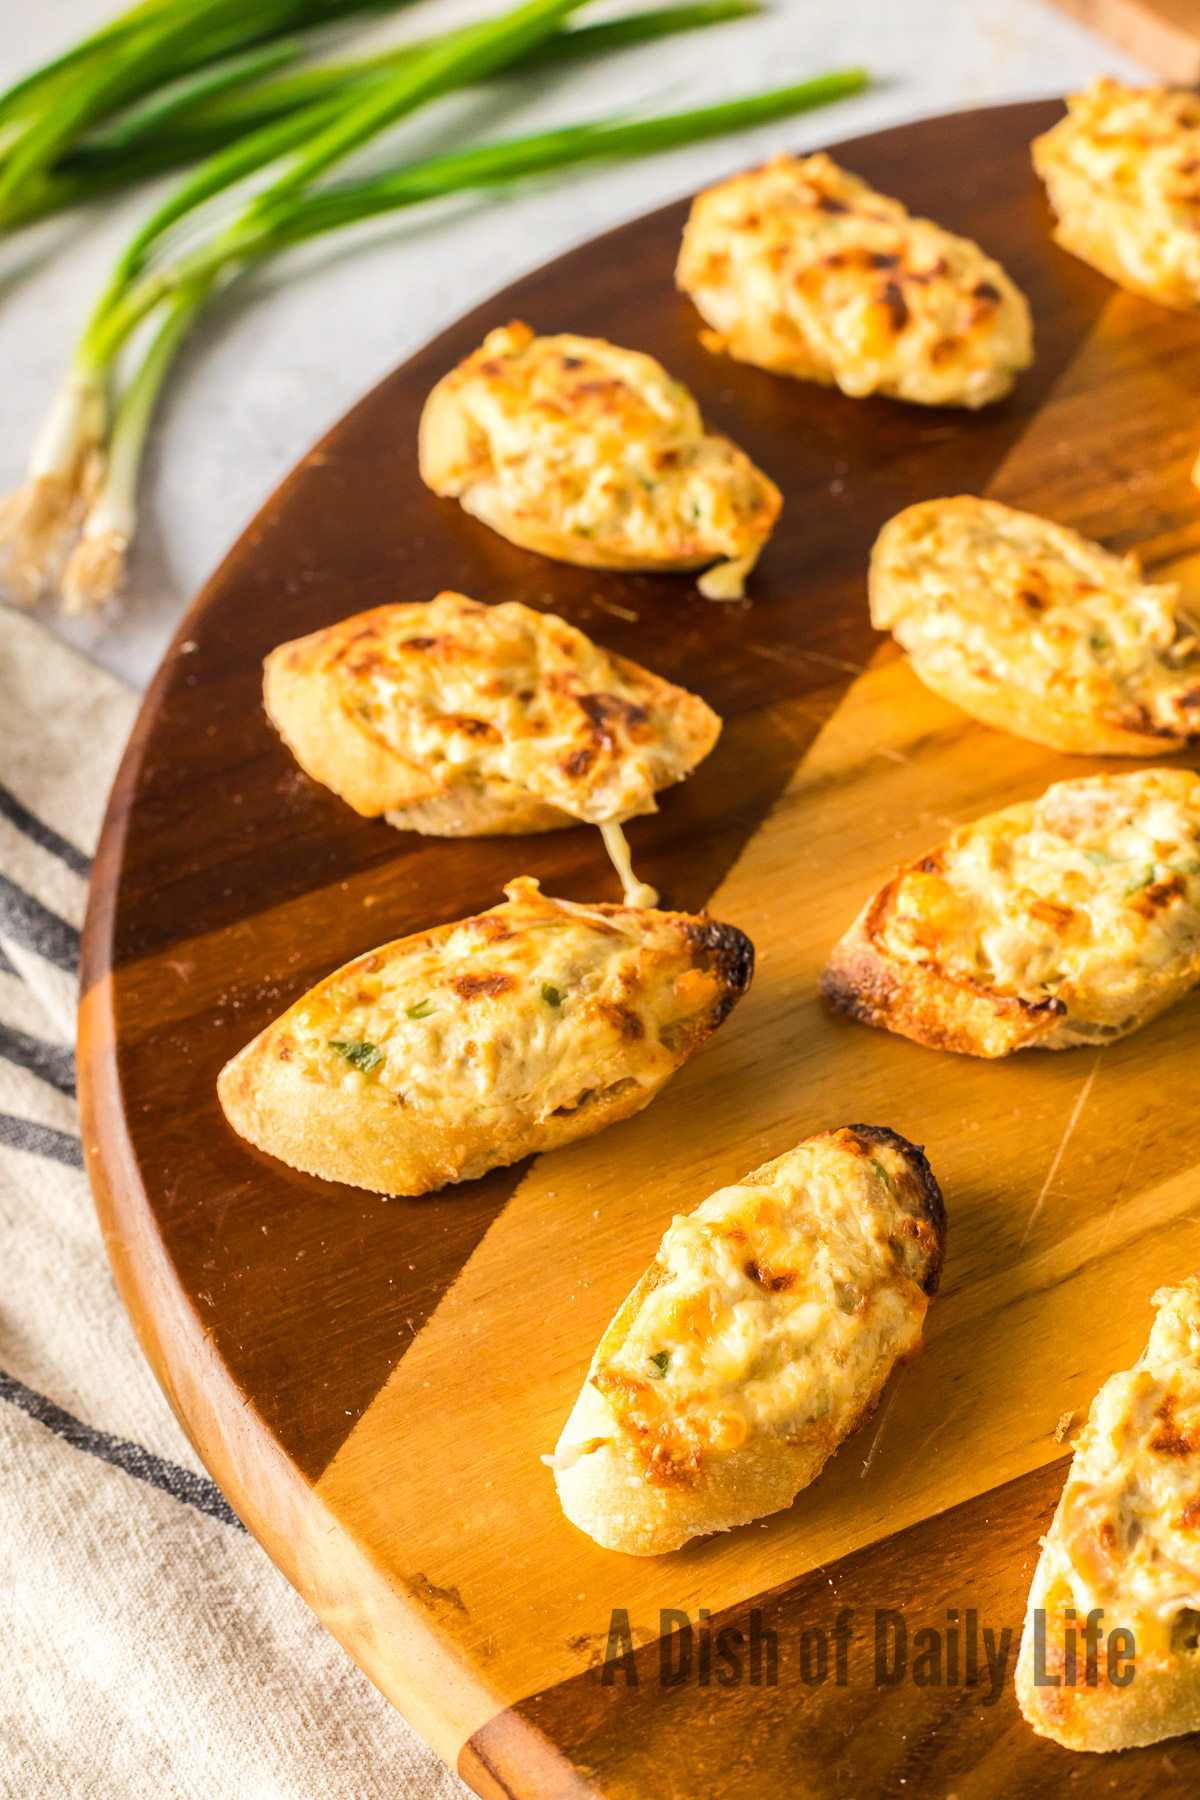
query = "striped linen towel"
x=148 y=1648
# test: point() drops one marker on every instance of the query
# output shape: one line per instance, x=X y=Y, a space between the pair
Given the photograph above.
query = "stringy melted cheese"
x=772 y=1307
x=801 y=267
x=1081 y=895
x=536 y=1005
x=1127 y=1534
x=504 y=693
x=976 y=591
x=1123 y=174
x=597 y=445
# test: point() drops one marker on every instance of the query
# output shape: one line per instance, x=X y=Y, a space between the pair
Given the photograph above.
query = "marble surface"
x=284 y=352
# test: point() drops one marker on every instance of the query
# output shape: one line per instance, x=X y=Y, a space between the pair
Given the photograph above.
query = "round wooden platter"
x=371 y=1381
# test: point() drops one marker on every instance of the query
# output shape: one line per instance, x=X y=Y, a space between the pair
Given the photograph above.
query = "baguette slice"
x=461 y=1049
x=461 y=720
x=1070 y=919
x=1031 y=628
x=592 y=454
x=1121 y=174
x=760 y=1337
x=1126 y=1539
x=803 y=269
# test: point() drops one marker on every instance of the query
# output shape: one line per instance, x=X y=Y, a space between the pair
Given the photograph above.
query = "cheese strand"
x=634 y=892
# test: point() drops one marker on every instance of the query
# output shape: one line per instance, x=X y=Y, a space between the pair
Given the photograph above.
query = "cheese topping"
x=505 y=694
x=978 y=592
x=578 y=440
x=1127 y=1534
x=1123 y=175
x=1073 y=899
x=535 y=1006
x=801 y=267
x=772 y=1307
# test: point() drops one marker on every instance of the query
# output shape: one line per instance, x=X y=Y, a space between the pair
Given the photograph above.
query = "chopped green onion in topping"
x=364 y=1056
x=660 y=1360
x=1099 y=643
x=1190 y=867
x=1101 y=858
x=421 y=1010
x=551 y=995
x=1142 y=881
x=883 y=1175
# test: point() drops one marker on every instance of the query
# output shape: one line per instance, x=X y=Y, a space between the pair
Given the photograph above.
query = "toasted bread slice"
x=802 y=268
x=591 y=454
x=1121 y=171
x=461 y=720
x=461 y=1049
x=1125 y=1542
x=1071 y=919
x=1030 y=627
x=759 y=1338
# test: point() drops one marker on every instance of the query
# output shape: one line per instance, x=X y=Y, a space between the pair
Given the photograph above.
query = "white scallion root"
x=95 y=570
x=40 y=520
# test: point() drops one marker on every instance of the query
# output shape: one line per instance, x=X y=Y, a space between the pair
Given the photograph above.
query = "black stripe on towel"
x=38 y=832
x=142 y=1464
x=49 y=1062
x=40 y=1140
x=27 y=922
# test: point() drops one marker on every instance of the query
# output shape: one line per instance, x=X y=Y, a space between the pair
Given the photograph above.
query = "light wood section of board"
x=1071 y=1179
x=1164 y=34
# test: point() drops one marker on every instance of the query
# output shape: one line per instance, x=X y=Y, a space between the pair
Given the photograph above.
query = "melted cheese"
x=531 y=1007
x=772 y=1307
x=1123 y=174
x=593 y=454
x=977 y=592
x=802 y=268
x=1127 y=1533
x=1080 y=896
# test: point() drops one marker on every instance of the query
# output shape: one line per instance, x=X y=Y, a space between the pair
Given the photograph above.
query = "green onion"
x=660 y=1360
x=421 y=1010
x=551 y=995
x=1141 y=881
x=883 y=1175
x=363 y=1055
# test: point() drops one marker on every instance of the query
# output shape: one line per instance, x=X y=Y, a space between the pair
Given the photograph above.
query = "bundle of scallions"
x=213 y=83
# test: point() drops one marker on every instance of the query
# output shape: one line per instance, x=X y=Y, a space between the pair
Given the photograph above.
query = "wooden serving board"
x=1164 y=34
x=371 y=1381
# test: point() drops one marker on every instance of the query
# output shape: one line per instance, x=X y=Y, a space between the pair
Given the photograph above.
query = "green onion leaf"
x=660 y=1360
x=364 y=1056
x=551 y=995
x=421 y=1010
x=1102 y=859
x=883 y=1175
x=1141 y=881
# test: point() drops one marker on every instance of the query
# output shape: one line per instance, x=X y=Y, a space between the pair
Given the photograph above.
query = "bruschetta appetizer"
x=462 y=720
x=458 y=1050
x=591 y=454
x=802 y=268
x=1122 y=171
x=760 y=1337
x=1123 y=1553
x=1030 y=627
x=1071 y=919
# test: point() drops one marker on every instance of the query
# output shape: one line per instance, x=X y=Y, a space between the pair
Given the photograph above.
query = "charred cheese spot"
x=478 y=987
x=792 y=282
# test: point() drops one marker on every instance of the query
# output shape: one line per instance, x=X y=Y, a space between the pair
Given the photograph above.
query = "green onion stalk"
x=84 y=478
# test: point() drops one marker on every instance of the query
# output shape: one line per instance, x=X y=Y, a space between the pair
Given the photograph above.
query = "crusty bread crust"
x=606 y=1491
x=1025 y=716
x=371 y=1140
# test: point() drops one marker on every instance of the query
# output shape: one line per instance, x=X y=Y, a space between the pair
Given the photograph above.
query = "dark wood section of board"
x=951 y=1726
x=215 y=840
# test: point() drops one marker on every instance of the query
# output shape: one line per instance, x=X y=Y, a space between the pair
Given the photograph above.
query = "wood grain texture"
x=372 y=1382
x=1163 y=34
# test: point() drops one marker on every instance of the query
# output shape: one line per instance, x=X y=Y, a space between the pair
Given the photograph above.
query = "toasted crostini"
x=1123 y=1556
x=462 y=720
x=802 y=268
x=759 y=1338
x=458 y=1050
x=591 y=454
x=1071 y=919
x=1122 y=171
x=1030 y=627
